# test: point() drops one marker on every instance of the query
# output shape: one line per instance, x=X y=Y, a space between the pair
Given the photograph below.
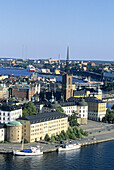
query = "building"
x=81 y=108
x=96 y=107
x=81 y=93
x=14 y=132
x=67 y=88
x=9 y=113
x=3 y=91
x=25 y=91
x=35 y=127
x=2 y=132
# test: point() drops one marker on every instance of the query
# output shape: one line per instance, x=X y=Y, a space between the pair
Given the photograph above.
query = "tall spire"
x=67 y=61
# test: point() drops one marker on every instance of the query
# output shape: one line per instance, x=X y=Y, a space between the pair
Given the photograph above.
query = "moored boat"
x=33 y=151
x=69 y=146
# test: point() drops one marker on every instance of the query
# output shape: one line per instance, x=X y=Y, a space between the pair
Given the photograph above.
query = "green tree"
x=60 y=109
x=66 y=136
x=79 y=135
x=52 y=139
x=29 y=109
x=73 y=136
x=47 y=138
x=81 y=131
x=85 y=133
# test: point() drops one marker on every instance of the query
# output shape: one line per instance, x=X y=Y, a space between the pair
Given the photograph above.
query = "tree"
x=66 y=136
x=73 y=136
x=60 y=109
x=47 y=138
x=29 y=109
x=85 y=133
x=79 y=135
x=81 y=131
x=52 y=139
x=73 y=119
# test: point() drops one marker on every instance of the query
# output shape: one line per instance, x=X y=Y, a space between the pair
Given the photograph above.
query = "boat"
x=33 y=151
x=31 y=68
x=69 y=146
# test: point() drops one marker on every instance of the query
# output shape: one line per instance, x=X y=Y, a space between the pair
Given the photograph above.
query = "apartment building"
x=35 y=127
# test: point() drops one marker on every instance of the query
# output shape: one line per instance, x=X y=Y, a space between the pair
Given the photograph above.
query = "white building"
x=9 y=113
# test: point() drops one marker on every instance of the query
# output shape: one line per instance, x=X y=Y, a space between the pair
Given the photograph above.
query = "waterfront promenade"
x=98 y=132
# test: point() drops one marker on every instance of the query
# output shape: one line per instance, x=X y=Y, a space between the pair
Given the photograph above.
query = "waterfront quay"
x=97 y=132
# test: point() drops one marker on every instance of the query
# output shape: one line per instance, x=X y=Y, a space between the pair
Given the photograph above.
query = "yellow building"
x=35 y=127
x=96 y=109
x=57 y=71
x=14 y=132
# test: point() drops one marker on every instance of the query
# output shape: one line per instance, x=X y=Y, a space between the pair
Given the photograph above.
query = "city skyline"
x=43 y=29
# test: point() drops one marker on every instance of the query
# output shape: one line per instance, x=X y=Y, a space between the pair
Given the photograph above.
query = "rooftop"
x=42 y=117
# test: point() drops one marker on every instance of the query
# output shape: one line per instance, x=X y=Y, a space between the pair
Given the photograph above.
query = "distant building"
x=35 y=127
x=26 y=91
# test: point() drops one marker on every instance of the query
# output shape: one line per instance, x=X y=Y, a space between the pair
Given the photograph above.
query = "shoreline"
x=54 y=149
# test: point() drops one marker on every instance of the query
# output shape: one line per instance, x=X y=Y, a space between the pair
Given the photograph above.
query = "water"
x=22 y=72
x=93 y=157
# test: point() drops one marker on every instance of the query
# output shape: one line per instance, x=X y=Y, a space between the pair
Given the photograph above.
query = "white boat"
x=69 y=146
x=33 y=151
x=31 y=68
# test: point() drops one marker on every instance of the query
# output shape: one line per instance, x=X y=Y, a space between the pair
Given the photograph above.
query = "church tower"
x=67 y=80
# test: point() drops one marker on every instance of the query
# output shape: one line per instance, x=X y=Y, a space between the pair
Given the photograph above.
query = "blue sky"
x=44 y=28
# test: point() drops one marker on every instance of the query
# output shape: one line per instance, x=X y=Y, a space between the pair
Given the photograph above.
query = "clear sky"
x=44 y=28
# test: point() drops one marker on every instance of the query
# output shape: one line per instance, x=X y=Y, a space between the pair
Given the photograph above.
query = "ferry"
x=31 y=68
x=33 y=151
x=69 y=146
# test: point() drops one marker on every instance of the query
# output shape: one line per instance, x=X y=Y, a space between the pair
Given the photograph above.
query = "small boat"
x=69 y=146
x=31 y=68
x=33 y=151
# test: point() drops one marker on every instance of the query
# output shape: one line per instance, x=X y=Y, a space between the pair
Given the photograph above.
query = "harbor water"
x=93 y=157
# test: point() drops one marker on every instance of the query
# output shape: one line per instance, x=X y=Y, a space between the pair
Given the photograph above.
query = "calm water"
x=19 y=72
x=94 y=157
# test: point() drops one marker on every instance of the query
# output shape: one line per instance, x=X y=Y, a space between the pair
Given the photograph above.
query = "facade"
x=96 y=107
x=2 y=132
x=25 y=91
x=3 y=91
x=35 y=127
x=81 y=108
x=9 y=113
x=14 y=132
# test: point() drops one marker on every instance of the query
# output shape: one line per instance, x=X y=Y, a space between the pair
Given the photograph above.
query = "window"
x=69 y=81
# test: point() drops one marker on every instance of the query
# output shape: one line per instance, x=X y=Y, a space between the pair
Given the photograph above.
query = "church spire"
x=67 y=61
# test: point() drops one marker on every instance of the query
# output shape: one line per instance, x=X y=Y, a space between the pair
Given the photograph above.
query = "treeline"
x=71 y=133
